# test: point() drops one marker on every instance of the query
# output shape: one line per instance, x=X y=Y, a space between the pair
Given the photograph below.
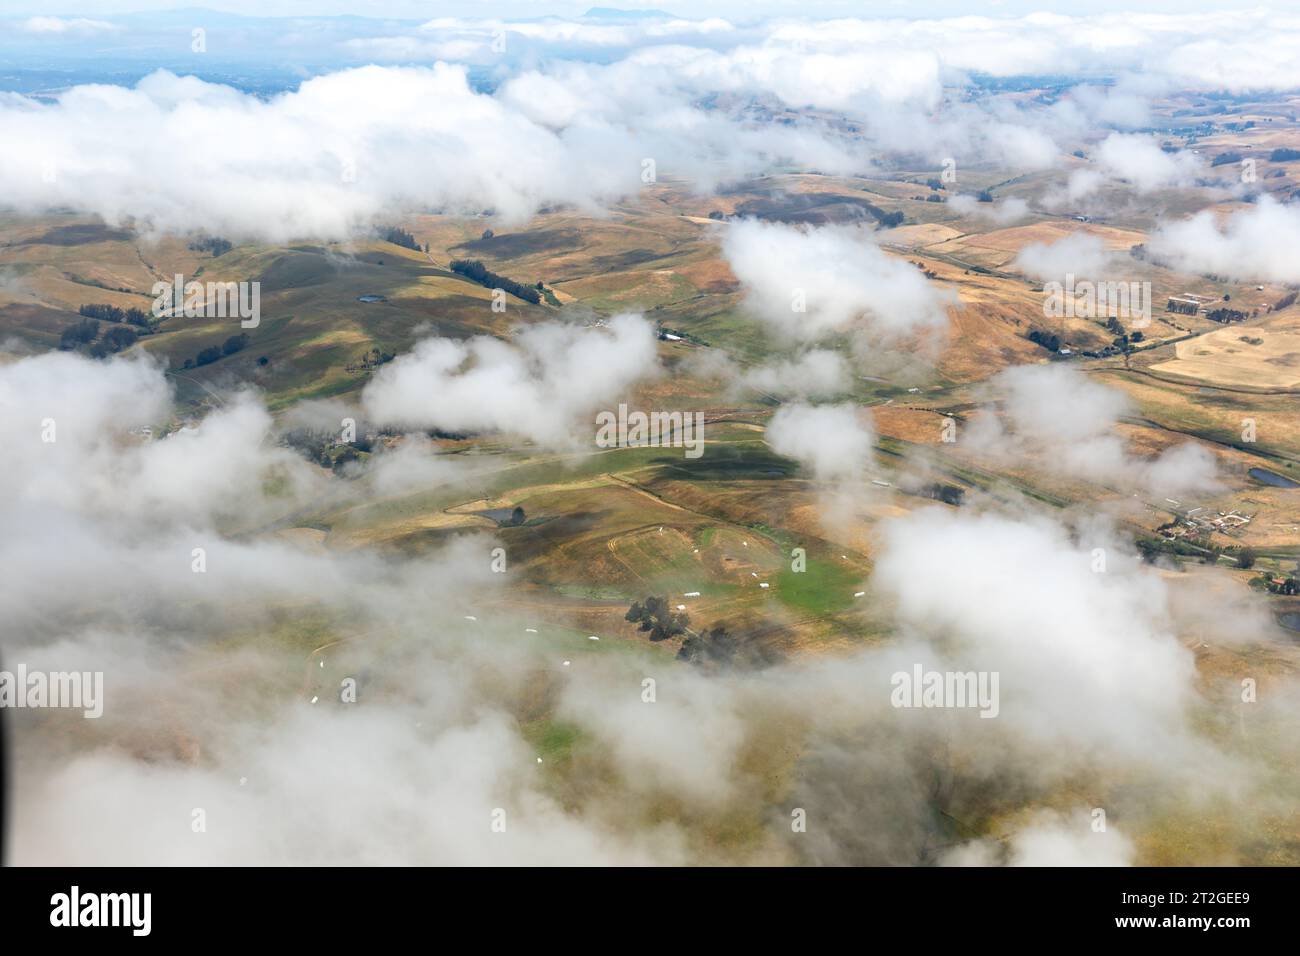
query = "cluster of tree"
x=213 y=244
x=111 y=313
x=1223 y=159
x=1225 y=315
x=657 y=617
x=116 y=339
x=86 y=331
x=1282 y=303
x=984 y=196
x=941 y=491
x=212 y=353
x=79 y=333
x=347 y=454
x=1123 y=338
x=887 y=220
x=717 y=649
x=1048 y=340
x=318 y=445
x=372 y=359
x=1284 y=154
x=714 y=648
x=1287 y=586
x=474 y=270
x=399 y=237
x=1198 y=548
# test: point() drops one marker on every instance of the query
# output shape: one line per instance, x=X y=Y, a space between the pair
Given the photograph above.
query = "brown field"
x=997 y=248
x=1224 y=357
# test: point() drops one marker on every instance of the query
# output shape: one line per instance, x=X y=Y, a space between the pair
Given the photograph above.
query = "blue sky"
x=738 y=9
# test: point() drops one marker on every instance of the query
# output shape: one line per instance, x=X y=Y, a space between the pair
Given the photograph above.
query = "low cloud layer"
x=574 y=107
x=543 y=385
x=1255 y=244
x=810 y=284
x=223 y=686
x=834 y=441
x=1080 y=254
x=1066 y=422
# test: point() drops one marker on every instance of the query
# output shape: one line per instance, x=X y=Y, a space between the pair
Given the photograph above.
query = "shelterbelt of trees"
x=475 y=270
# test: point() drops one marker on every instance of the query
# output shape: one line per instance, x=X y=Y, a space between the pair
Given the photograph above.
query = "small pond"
x=1272 y=478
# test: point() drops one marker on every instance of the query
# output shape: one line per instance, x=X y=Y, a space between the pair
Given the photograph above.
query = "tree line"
x=213 y=244
x=212 y=353
x=111 y=313
x=400 y=237
x=474 y=270
x=712 y=649
x=85 y=333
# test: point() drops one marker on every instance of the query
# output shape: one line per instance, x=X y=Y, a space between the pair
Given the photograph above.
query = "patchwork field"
x=1263 y=354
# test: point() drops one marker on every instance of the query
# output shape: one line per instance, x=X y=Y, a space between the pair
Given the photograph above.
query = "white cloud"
x=1066 y=421
x=811 y=283
x=322 y=161
x=1080 y=254
x=1257 y=243
x=1002 y=213
x=833 y=440
x=79 y=26
x=1050 y=839
x=540 y=386
x=1139 y=160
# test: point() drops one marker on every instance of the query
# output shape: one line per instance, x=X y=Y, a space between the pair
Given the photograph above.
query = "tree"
x=658 y=618
x=399 y=237
x=712 y=648
x=79 y=333
x=346 y=456
x=213 y=244
x=1048 y=340
x=119 y=337
x=1246 y=558
x=234 y=343
x=517 y=516
x=474 y=270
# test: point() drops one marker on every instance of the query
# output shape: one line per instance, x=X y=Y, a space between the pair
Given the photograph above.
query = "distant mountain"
x=609 y=13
